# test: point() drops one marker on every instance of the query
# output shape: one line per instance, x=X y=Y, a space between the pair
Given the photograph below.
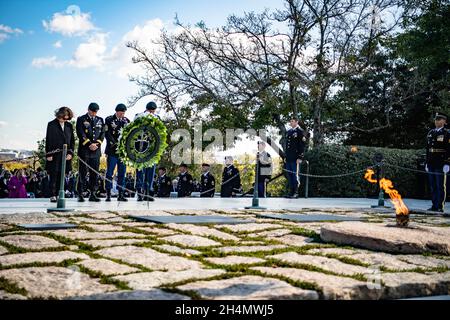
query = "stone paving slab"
x=31 y=218
x=107 y=267
x=249 y=287
x=425 y=261
x=175 y=249
x=48 y=226
x=380 y=237
x=274 y=233
x=54 y=282
x=250 y=248
x=104 y=227
x=408 y=284
x=40 y=257
x=338 y=251
x=31 y=242
x=158 y=231
x=308 y=217
x=154 y=294
x=191 y=219
x=333 y=287
x=11 y=296
x=234 y=260
x=250 y=227
x=86 y=235
x=148 y=280
x=112 y=242
x=328 y=264
x=202 y=231
x=191 y=241
x=149 y=258
x=293 y=240
x=384 y=259
x=3 y=250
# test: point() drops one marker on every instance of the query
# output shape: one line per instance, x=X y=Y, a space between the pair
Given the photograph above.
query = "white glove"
x=426 y=168
x=446 y=168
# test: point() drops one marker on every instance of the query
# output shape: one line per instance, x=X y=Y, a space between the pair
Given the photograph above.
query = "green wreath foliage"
x=141 y=122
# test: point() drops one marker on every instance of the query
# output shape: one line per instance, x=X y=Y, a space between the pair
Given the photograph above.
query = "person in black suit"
x=91 y=133
x=164 y=183
x=295 y=148
x=207 y=182
x=231 y=179
x=59 y=132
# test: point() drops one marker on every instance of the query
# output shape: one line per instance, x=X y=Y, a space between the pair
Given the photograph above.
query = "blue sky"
x=52 y=55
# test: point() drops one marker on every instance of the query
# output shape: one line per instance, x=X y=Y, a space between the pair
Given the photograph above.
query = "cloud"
x=58 y=44
x=6 y=32
x=69 y=23
x=47 y=62
x=91 y=53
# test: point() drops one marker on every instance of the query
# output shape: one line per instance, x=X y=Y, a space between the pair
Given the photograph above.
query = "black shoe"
x=149 y=198
x=140 y=198
x=108 y=199
x=432 y=209
x=440 y=210
x=122 y=198
x=80 y=199
x=93 y=198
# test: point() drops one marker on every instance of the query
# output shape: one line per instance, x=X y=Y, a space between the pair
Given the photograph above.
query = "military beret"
x=183 y=165
x=121 y=107
x=205 y=165
x=440 y=115
x=93 y=107
x=151 y=106
x=162 y=168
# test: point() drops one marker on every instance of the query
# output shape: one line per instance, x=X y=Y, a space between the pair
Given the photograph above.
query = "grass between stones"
x=11 y=287
x=13 y=249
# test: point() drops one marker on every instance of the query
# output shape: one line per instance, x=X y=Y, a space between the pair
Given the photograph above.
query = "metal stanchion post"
x=255 y=200
x=307 y=179
x=61 y=204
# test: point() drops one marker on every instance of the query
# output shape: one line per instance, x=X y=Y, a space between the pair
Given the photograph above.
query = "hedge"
x=336 y=159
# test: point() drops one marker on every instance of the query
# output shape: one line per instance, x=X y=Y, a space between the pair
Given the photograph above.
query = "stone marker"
x=48 y=226
x=249 y=287
x=191 y=219
x=308 y=217
x=388 y=238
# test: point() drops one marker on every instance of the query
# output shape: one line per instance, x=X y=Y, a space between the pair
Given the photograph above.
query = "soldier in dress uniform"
x=145 y=177
x=91 y=132
x=264 y=168
x=231 y=179
x=164 y=183
x=207 y=182
x=438 y=161
x=185 y=184
x=113 y=126
x=295 y=148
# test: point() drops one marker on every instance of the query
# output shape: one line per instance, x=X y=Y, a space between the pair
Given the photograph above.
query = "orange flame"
x=388 y=187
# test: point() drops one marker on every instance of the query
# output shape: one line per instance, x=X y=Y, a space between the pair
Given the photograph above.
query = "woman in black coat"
x=59 y=132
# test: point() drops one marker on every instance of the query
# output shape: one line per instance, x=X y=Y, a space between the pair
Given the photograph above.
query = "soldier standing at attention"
x=91 y=132
x=207 y=182
x=438 y=160
x=113 y=126
x=231 y=179
x=164 y=183
x=185 y=182
x=144 y=177
x=295 y=148
x=264 y=169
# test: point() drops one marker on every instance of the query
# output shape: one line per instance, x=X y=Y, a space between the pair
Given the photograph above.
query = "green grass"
x=10 y=287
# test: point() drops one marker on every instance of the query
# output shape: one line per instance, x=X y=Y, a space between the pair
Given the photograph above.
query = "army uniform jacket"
x=207 y=185
x=164 y=186
x=438 y=147
x=295 y=144
x=185 y=185
x=90 y=131
x=113 y=125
